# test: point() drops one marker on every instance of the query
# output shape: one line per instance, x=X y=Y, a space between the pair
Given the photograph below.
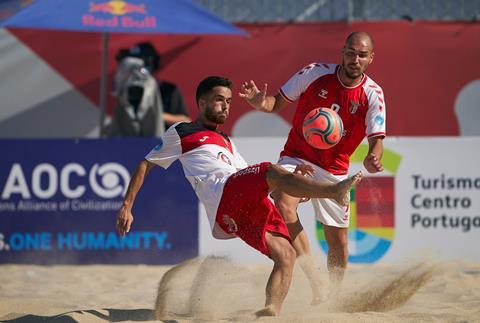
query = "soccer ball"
x=322 y=128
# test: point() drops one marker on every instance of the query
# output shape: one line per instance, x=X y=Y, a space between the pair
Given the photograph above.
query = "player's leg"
x=287 y=206
x=246 y=211
x=285 y=184
x=283 y=256
x=300 y=186
x=337 y=240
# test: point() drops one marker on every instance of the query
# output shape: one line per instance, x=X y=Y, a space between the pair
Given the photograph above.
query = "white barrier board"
x=426 y=202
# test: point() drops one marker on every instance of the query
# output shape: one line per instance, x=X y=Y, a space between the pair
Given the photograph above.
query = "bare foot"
x=266 y=311
x=345 y=186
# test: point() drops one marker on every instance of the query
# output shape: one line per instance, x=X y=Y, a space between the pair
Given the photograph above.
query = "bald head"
x=357 y=54
x=360 y=37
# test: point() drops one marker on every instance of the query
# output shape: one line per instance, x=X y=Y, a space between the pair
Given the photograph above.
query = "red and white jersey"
x=362 y=109
x=208 y=158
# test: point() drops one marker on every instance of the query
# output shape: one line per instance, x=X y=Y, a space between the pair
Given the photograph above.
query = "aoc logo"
x=372 y=211
x=114 y=179
x=72 y=181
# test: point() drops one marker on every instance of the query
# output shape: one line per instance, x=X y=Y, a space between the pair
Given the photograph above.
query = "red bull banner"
x=121 y=16
x=117 y=14
x=429 y=71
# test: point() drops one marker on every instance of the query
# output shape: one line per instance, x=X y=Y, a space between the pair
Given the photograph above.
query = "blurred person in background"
x=360 y=103
x=145 y=104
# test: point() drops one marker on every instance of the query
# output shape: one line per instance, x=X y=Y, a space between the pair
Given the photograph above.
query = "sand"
x=216 y=290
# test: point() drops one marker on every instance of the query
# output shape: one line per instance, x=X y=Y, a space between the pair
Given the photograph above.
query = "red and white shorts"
x=246 y=211
x=327 y=211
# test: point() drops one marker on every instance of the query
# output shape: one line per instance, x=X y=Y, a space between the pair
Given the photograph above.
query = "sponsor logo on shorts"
x=248 y=170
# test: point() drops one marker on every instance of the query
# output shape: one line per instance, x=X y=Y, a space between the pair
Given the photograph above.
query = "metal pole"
x=349 y=12
x=103 y=84
x=310 y=10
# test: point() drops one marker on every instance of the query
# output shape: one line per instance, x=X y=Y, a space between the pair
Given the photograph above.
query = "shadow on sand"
x=107 y=314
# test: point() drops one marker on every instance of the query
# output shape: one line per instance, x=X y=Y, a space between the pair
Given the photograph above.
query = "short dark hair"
x=208 y=83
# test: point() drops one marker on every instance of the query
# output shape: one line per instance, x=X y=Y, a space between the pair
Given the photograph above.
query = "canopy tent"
x=118 y=16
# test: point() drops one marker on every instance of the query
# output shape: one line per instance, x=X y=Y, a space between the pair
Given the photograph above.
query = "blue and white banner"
x=59 y=200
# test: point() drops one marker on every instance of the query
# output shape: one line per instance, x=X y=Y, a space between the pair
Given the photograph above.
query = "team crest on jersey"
x=353 y=106
x=224 y=158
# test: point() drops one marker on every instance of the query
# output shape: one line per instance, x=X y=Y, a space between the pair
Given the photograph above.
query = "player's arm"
x=124 y=216
x=260 y=100
x=373 y=161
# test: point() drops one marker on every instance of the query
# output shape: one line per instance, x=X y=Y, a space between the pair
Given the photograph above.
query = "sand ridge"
x=214 y=289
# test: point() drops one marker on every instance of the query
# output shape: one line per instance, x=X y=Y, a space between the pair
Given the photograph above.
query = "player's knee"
x=284 y=255
x=288 y=255
x=340 y=249
x=275 y=175
x=287 y=210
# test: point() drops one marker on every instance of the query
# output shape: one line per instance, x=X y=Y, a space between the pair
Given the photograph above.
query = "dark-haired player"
x=235 y=196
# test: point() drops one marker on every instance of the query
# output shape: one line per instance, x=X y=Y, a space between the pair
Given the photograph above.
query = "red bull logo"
x=117 y=7
x=124 y=15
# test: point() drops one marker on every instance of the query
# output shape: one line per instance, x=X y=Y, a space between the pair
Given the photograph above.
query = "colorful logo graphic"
x=372 y=211
x=119 y=14
x=117 y=7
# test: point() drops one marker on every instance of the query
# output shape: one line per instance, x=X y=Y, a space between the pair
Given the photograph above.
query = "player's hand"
x=303 y=169
x=253 y=95
x=372 y=164
x=124 y=220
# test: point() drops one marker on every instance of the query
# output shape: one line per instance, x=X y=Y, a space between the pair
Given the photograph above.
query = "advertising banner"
x=447 y=97
x=426 y=203
x=59 y=200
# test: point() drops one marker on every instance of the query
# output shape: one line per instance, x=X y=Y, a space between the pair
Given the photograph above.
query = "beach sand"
x=216 y=290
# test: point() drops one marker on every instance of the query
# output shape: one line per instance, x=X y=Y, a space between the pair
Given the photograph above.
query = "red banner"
x=430 y=72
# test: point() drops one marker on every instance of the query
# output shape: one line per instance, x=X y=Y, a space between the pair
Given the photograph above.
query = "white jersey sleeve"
x=167 y=151
x=299 y=82
x=375 y=120
x=238 y=162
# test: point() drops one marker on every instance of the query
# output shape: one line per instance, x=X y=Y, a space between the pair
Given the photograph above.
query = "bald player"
x=360 y=103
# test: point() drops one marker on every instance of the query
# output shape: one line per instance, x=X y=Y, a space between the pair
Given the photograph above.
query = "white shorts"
x=327 y=211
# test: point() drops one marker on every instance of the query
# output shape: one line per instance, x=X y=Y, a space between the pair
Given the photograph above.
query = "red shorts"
x=246 y=211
